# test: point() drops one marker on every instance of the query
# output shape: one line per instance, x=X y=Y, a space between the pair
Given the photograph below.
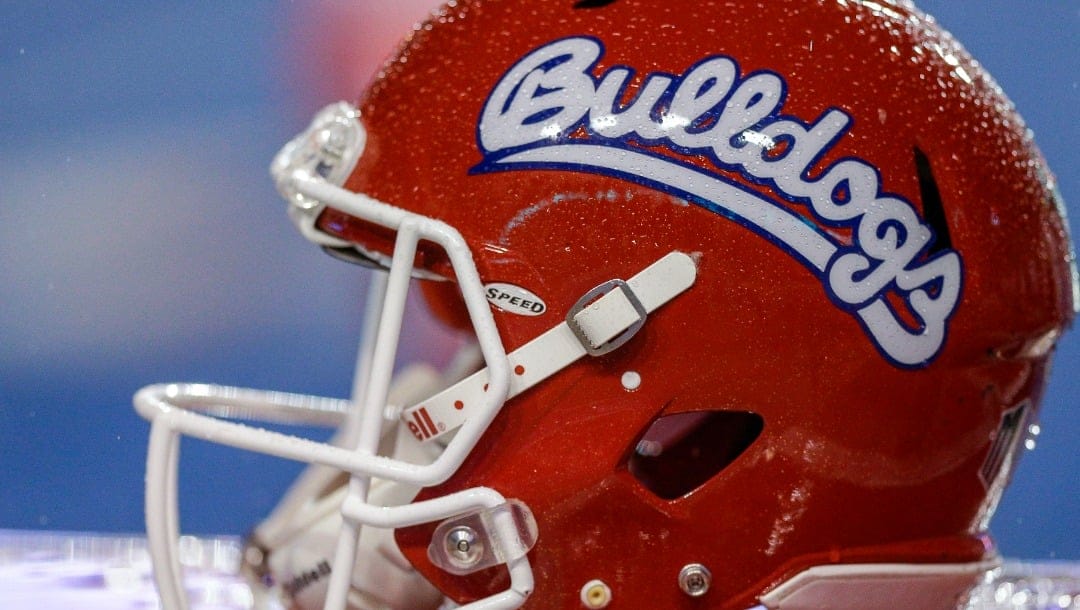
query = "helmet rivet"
x=595 y=594
x=694 y=579
x=463 y=546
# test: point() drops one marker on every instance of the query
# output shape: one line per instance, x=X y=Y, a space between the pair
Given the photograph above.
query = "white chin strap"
x=602 y=320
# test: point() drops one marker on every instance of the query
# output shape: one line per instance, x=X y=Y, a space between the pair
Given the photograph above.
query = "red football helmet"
x=764 y=293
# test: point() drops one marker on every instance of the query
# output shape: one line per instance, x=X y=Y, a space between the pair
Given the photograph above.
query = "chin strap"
x=604 y=319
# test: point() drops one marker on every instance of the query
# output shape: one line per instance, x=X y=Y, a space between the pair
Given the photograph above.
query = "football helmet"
x=764 y=296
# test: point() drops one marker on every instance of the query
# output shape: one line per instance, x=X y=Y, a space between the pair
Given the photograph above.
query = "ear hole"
x=679 y=453
x=592 y=3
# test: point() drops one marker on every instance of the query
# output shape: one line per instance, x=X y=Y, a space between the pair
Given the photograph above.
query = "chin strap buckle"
x=606 y=317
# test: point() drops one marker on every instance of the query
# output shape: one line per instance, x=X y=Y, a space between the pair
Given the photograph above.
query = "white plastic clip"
x=483 y=538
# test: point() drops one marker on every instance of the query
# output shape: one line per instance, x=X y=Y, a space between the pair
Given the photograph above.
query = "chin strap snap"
x=604 y=319
x=483 y=538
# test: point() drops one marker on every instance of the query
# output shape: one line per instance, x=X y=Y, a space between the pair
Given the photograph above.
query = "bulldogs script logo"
x=737 y=122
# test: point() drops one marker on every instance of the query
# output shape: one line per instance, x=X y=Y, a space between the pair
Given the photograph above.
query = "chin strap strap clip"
x=606 y=317
x=603 y=320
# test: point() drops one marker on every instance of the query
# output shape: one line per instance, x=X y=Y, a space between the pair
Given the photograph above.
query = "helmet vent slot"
x=680 y=452
x=933 y=209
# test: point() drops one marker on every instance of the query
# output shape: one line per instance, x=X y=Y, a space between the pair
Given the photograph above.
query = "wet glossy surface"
x=860 y=459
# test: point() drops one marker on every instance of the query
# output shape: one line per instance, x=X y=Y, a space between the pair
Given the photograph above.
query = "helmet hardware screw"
x=694 y=579
x=595 y=594
x=463 y=545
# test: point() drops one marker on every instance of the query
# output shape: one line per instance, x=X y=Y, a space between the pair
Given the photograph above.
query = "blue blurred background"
x=141 y=241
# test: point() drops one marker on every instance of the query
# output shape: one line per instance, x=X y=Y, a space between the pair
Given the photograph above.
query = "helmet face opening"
x=783 y=307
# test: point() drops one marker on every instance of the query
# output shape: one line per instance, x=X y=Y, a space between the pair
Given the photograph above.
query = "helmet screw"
x=463 y=546
x=694 y=579
x=595 y=594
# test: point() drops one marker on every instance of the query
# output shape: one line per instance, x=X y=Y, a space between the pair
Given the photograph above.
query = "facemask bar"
x=606 y=316
x=281 y=524
x=355 y=510
x=173 y=410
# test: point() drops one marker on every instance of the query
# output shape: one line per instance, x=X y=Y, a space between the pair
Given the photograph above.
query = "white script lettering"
x=737 y=122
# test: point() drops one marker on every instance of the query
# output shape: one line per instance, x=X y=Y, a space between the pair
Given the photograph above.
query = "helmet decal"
x=549 y=111
x=514 y=299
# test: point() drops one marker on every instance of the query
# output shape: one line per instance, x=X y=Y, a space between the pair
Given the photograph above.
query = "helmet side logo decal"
x=737 y=122
x=514 y=299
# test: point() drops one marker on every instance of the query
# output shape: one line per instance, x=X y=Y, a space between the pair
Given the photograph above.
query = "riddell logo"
x=308 y=578
x=422 y=426
x=552 y=111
